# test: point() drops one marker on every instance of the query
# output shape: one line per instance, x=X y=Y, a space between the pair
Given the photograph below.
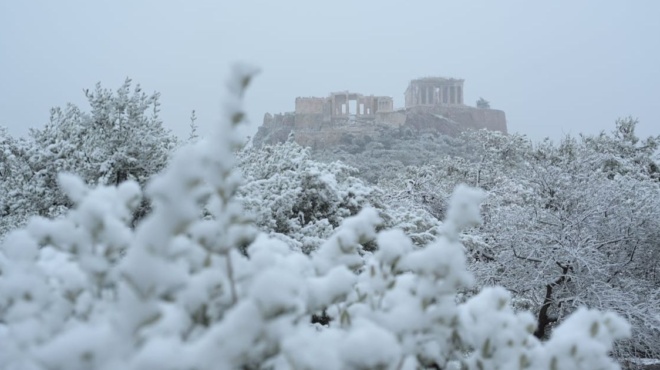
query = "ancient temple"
x=433 y=91
x=345 y=104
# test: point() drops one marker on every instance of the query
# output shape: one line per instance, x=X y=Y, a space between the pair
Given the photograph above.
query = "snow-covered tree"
x=17 y=180
x=566 y=225
x=624 y=153
x=301 y=200
x=483 y=103
x=565 y=231
x=185 y=296
x=121 y=138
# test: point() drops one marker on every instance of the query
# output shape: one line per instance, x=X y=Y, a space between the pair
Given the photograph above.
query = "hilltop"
x=432 y=105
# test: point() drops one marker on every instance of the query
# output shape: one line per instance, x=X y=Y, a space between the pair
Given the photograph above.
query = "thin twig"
x=230 y=275
x=524 y=258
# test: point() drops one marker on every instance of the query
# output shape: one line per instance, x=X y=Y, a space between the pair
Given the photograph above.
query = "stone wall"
x=468 y=117
x=310 y=105
x=394 y=119
x=320 y=131
x=311 y=121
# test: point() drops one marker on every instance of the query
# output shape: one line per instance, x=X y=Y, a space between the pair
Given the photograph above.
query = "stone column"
x=333 y=107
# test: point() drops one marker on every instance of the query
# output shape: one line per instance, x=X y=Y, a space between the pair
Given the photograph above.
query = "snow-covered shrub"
x=301 y=200
x=86 y=291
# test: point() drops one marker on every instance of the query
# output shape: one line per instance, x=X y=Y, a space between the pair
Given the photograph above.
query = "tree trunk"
x=544 y=320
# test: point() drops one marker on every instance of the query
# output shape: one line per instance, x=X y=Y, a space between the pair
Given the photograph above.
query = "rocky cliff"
x=320 y=131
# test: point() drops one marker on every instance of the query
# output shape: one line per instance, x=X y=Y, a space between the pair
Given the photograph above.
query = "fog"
x=555 y=68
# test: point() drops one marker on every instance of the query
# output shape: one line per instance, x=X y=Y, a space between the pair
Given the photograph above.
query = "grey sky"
x=554 y=67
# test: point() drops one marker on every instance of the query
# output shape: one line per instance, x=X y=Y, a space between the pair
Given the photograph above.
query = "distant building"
x=431 y=91
x=432 y=104
x=345 y=104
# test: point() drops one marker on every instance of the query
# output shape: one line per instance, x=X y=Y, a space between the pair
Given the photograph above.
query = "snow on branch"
x=185 y=291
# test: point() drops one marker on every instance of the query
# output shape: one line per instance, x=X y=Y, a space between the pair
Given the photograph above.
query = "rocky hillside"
x=319 y=132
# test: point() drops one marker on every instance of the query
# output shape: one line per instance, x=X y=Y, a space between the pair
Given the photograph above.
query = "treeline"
x=371 y=247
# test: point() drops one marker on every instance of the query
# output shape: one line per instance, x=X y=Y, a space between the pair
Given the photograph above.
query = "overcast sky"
x=555 y=67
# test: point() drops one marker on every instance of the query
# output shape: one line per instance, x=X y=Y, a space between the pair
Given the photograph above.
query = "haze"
x=555 y=67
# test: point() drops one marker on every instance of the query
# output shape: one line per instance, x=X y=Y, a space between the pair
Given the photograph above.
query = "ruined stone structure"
x=432 y=91
x=345 y=104
x=432 y=104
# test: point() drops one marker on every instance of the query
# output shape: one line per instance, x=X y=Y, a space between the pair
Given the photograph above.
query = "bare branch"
x=523 y=257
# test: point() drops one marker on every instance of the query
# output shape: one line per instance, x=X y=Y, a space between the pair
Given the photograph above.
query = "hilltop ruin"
x=432 y=104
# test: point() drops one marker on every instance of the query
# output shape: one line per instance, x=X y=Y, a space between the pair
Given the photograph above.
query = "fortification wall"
x=466 y=116
x=311 y=121
x=394 y=119
x=321 y=131
x=478 y=118
x=310 y=105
